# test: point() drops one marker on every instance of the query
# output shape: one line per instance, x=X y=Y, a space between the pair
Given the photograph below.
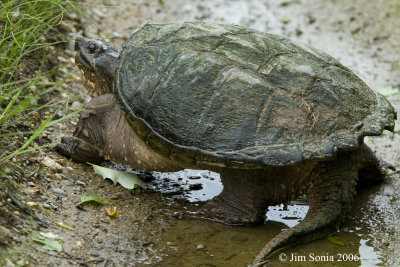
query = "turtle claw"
x=64 y=147
x=384 y=167
x=78 y=150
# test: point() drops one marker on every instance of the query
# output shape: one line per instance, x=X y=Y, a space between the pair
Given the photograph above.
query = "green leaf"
x=92 y=199
x=335 y=241
x=125 y=179
x=49 y=235
x=65 y=226
x=20 y=263
x=388 y=91
x=49 y=244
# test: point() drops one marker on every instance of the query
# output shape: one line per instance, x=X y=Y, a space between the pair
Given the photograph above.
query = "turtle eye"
x=92 y=48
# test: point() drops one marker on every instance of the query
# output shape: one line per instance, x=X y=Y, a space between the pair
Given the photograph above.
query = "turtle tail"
x=330 y=195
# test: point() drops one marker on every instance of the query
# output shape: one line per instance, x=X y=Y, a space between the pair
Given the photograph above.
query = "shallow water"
x=369 y=235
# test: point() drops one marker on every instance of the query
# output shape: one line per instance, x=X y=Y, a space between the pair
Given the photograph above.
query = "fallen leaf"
x=20 y=263
x=32 y=190
x=335 y=241
x=49 y=244
x=31 y=204
x=93 y=199
x=49 y=235
x=112 y=211
x=388 y=91
x=65 y=226
x=125 y=179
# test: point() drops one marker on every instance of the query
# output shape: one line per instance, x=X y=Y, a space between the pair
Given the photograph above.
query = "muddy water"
x=363 y=35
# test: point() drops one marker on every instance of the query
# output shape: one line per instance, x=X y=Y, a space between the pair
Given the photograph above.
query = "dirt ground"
x=162 y=229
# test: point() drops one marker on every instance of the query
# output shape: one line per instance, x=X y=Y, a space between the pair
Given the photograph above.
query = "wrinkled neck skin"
x=97 y=84
x=99 y=80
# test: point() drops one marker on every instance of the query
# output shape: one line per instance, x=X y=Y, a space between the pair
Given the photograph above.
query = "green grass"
x=29 y=103
x=25 y=28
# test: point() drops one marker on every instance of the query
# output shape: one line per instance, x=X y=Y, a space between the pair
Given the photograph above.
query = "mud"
x=161 y=226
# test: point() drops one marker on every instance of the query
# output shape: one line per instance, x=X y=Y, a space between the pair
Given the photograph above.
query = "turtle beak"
x=79 y=44
x=82 y=58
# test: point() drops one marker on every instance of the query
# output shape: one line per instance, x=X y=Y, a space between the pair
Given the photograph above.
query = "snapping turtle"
x=276 y=119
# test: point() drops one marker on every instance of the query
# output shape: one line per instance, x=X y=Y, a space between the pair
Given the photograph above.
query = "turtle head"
x=97 y=61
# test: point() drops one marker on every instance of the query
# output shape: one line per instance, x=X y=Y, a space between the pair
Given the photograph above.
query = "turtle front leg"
x=78 y=150
x=330 y=194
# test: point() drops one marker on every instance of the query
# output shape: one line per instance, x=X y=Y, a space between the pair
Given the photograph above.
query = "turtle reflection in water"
x=276 y=119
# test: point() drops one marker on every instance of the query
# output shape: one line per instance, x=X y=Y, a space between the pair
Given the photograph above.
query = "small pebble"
x=61 y=161
x=80 y=183
x=54 y=207
x=66 y=182
x=98 y=12
x=200 y=246
x=46 y=206
x=66 y=170
x=51 y=163
x=59 y=191
x=177 y=215
x=31 y=184
x=7 y=171
x=77 y=189
x=44 y=197
x=76 y=106
x=164 y=223
x=62 y=59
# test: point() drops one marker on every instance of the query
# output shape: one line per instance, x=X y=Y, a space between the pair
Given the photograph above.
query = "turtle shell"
x=209 y=94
